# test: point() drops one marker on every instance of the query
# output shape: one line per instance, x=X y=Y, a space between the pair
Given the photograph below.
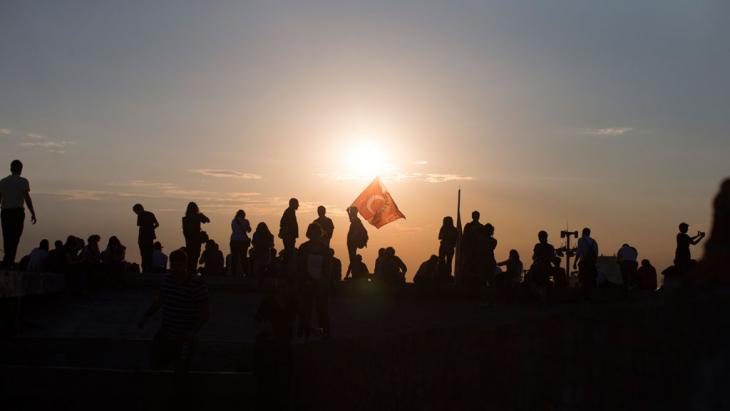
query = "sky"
x=612 y=115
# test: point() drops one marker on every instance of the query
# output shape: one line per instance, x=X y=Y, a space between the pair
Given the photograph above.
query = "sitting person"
x=159 y=259
x=357 y=269
x=647 y=276
x=113 y=257
x=38 y=258
x=560 y=279
x=427 y=272
x=212 y=259
x=55 y=261
x=513 y=275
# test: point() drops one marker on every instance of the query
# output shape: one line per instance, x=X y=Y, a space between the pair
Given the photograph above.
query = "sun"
x=366 y=159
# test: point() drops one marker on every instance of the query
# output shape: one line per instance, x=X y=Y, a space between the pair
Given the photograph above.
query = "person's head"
x=645 y=263
x=93 y=239
x=178 y=261
x=16 y=167
x=586 y=232
x=192 y=209
x=475 y=215
x=448 y=221
x=625 y=245
x=314 y=232
x=542 y=236
x=209 y=244
x=390 y=251
x=321 y=211
x=58 y=244
x=137 y=208
x=157 y=246
x=293 y=203
x=683 y=228
x=71 y=242
x=262 y=228
x=240 y=214
x=381 y=252
x=114 y=242
x=44 y=244
x=352 y=211
x=489 y=229
x=514 y=255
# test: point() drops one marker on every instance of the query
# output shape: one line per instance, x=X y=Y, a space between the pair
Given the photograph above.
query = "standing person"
x=325 y=224
x=682 y=255
x=313 y=271
x=586 y=258
x=263 y=245
x=357 y=235
x=183 y=299
x=627 y=259
x=288 y=227
x=473 y=235
x=489 y=262
x=240 y=227
x=14 y=191
x=193 y=234
x=447 y=236
x=542 y=257
x=147 y=223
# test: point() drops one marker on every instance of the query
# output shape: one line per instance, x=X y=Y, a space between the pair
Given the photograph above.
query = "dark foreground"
x=645 y=352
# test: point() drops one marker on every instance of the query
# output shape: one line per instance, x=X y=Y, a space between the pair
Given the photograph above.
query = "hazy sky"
x=611 y=114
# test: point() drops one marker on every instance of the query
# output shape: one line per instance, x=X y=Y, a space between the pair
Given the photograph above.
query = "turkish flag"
x=376 y=205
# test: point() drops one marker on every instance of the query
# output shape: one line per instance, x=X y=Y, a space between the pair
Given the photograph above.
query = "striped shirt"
x=181 y=304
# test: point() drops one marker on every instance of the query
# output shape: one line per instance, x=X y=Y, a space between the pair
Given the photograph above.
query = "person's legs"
x=351 y=252
x=12 y=228
x=235 y=257
x=145 y=250
x=449 y=260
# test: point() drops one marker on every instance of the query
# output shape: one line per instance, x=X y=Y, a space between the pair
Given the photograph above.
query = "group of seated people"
x=389 y=268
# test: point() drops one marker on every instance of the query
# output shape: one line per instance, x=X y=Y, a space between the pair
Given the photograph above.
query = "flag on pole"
x=376 y=205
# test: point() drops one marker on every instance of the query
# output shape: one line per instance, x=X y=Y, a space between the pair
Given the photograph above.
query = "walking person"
x=14 y=192
x=447 y=237
x=194 y=237
x=147 y=223
x=586 y=258
x=240 y=227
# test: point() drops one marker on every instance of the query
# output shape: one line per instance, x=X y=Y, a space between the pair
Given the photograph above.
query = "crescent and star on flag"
x=376 y=205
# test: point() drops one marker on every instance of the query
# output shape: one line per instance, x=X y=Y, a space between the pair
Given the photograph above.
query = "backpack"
x=359 y=236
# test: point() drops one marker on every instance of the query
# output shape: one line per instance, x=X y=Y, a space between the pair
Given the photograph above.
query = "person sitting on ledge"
x=358 y=270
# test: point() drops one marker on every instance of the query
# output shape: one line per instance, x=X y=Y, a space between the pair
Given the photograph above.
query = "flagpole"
x=457 y=268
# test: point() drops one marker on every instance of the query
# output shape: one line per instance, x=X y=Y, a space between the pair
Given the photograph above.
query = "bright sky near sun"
x=613 y=115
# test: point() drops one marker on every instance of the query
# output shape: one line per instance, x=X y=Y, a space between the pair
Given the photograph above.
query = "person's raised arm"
x=29 y=202
x=204 y=219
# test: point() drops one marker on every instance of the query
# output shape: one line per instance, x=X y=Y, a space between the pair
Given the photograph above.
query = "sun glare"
x=366 y=159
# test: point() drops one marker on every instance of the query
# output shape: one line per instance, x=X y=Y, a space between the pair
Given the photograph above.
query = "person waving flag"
x=376 y=205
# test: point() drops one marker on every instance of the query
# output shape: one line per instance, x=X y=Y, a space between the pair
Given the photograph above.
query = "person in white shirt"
x=627 y=257
x=38 y=258
x=14 y=191
x=586 y=257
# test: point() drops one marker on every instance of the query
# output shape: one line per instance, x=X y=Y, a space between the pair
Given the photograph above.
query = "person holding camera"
x=683 y=256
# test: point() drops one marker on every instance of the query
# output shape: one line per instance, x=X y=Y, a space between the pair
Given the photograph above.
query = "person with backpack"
x=357 y=236
x=586 y=257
